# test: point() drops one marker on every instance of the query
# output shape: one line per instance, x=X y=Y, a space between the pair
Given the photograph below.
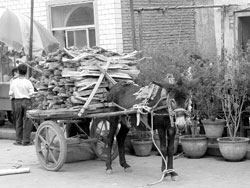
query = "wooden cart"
x=50 y=138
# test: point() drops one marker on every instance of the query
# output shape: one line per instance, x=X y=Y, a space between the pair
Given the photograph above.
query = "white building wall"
x=110 y=24
x=108 y=14
x=23 y=7
x=229 y=27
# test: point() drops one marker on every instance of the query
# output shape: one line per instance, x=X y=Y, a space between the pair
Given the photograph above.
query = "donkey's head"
x=178 y=100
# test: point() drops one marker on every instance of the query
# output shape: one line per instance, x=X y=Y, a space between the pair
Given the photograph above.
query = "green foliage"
x=204 y=97
x=164 y=60
x=233 y=88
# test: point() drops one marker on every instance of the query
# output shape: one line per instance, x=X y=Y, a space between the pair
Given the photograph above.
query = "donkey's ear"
x=164 y=85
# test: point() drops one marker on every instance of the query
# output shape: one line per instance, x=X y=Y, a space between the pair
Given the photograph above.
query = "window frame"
x=80 y=29
x=59 y=3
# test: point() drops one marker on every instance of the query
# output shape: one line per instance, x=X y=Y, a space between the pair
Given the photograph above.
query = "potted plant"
x=233 y=89
x=205 y=99
x=194 y=145
x=143 y=143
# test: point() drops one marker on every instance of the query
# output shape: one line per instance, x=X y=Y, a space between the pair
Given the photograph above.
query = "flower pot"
x=233 y=149
x=214 y=129
x=128 y=145
x=176 y=142
x=194 y=146
x=142 y=147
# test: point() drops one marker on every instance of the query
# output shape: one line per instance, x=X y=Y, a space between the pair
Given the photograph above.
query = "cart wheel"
x=100 y=129
x=51 y=146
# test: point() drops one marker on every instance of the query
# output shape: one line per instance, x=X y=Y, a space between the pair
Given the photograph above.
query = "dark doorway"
x=243 y=31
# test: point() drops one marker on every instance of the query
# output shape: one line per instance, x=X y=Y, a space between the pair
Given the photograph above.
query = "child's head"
x=14 y=72
x=22 y=69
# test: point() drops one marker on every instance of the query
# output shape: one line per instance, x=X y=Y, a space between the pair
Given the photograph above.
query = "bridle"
x=173 y=113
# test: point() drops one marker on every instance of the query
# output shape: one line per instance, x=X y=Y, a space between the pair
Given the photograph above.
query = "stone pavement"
x=207 y=172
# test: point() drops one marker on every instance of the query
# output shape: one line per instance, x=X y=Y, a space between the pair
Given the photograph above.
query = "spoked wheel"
x=100 y=130
x=51 y=147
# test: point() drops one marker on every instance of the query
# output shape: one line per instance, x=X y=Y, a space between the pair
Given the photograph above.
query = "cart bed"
x=72 y=113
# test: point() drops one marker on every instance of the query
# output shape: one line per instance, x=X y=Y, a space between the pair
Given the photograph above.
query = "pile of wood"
x=69 y=76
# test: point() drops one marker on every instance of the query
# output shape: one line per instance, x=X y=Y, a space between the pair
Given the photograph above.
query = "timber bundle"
x=69 y=76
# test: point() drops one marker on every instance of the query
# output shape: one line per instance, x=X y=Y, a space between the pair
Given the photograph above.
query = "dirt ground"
x=206 y=172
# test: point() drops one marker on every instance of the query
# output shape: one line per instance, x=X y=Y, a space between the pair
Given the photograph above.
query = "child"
x=11 y=117
x=22 y=89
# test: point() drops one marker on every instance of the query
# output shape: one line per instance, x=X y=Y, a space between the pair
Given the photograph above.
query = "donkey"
x=175 y=103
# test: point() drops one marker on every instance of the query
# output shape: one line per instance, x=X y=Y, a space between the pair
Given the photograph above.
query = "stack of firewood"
x=69 y=76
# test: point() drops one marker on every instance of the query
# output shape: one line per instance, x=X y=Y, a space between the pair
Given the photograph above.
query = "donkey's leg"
x=121 y=136
x=163 y=146
x=171 y=136
x=113 y=127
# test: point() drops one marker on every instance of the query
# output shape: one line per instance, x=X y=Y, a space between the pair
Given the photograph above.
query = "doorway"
x=242 y=29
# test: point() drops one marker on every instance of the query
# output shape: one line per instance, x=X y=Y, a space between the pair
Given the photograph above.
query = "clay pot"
x=233 y=149
x=214 y=129
x=142 y=147
x=194 y=146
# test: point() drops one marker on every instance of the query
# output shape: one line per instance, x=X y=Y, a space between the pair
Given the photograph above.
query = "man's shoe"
x=27 y=143
x=18 y=143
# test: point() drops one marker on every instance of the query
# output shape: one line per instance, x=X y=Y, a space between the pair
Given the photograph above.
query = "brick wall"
x=175 y=26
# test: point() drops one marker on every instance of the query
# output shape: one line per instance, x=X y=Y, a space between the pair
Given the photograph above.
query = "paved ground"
x=208 y=172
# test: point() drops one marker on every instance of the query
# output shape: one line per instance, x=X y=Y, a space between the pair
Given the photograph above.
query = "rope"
x=142 y=106
x=162 y=177
x=170 y=111
x=181 y=7
x=166 y=171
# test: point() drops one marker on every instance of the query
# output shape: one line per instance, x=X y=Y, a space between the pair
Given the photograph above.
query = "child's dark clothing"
x=23 y=124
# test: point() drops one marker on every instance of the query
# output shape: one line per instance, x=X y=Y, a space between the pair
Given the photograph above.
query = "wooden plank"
x=63 y=114
x=84 y=82
x=94 y=90
x=100 y=105
x=101 y=57
x=107 y=114
x=81 y=56
x=86 y=98
x=85 y=73
x=112 y=81
x=94 y=68
x=89 y=91
x=91 y=86
x=14 y=171
x=69 y=52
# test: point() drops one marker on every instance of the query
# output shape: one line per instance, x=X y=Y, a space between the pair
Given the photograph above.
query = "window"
x=74 y=25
